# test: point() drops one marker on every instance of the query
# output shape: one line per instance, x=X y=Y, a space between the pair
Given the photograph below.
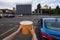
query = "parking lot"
x=10 y=25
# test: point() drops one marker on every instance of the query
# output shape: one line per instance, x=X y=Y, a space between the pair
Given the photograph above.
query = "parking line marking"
x=7 y=31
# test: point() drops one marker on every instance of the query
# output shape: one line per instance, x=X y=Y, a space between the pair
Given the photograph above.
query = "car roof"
x=50 y=18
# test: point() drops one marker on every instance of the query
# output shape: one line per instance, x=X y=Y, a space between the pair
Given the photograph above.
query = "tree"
x=57 y=9
x=45 y=11
x=39 y=7
x=35 y=10
x=52 y=11
x=49 y=10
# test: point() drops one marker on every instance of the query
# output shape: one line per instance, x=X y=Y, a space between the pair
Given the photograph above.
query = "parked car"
x=20 y=15
x=9 y=15
x=0 y=15
x=49 y=28
x=5 y=15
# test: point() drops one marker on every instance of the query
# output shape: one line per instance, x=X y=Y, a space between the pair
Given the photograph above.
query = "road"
x=10 y=25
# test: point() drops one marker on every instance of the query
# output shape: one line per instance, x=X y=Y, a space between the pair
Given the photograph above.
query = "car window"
x=55 y=25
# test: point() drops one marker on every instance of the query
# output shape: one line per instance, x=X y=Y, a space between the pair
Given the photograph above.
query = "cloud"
x=12 y=3
x=16 y=1
x=7 y=4
x=8 y=1
x=52 y=3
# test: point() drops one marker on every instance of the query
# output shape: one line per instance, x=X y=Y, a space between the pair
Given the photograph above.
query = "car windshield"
x=55 y=25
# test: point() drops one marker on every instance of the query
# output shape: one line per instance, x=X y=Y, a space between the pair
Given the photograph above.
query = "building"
x=24 y=9
x=45 y=6
x=5 y=12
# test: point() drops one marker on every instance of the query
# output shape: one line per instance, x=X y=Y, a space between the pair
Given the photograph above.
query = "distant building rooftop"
x=23 y=9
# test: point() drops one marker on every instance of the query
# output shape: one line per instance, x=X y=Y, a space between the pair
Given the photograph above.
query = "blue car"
x=49 y=28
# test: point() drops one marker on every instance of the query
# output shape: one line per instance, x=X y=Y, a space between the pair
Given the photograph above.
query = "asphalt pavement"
x=10 y=25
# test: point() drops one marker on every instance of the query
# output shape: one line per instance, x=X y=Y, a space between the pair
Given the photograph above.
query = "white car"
x=0 y=15
x=11 y=15
x=20 y=15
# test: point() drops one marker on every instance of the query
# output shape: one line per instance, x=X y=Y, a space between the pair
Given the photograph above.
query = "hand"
x=10 y=37
x=19 y=29
x=32 y=31
x=33 y=34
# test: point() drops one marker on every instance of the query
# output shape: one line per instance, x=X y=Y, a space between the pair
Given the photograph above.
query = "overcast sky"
x=12 y=3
